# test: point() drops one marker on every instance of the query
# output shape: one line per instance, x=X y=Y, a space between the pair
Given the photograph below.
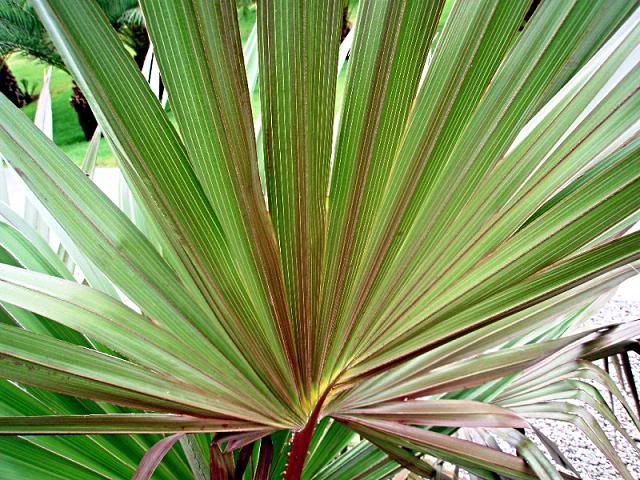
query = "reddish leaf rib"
x=154 y=456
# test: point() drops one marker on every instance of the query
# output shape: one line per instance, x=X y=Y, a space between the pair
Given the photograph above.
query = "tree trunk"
x=86 y=118
x=9 y=86
x=346 y=24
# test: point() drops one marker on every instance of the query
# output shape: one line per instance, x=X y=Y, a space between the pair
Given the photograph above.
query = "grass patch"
x=66 y=129
x=76 y=152
x=246 y=19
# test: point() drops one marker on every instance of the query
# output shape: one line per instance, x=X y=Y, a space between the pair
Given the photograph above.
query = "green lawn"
x=246 y=19
x=66 y=129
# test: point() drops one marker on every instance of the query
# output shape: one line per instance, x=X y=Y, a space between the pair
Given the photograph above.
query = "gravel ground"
x=586 y=459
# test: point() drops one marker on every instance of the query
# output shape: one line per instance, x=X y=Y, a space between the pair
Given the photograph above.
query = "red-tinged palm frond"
x=373 y=269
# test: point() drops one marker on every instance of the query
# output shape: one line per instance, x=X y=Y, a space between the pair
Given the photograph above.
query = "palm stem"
x=300 y=442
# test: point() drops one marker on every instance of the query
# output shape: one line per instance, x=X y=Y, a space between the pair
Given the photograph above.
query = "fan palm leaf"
x=388 y=278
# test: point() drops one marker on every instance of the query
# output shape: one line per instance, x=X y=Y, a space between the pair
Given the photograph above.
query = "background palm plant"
x=414 y=281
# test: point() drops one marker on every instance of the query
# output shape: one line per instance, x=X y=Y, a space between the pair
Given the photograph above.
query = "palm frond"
x=371 y=269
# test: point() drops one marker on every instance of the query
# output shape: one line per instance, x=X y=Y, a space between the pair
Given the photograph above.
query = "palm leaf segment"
x=419 y=268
